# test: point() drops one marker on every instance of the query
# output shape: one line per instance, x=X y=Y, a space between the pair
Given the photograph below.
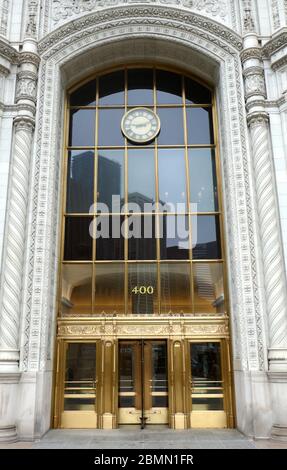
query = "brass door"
x=143 y=383
x=79 y=385
x=209 y=385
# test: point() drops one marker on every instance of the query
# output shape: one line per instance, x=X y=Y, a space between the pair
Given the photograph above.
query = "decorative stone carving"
x=63 y=10
x=26 y=86
x=248 y=20
x=268 y=217
x=4 y=11
x=31 y=28
x=14 y=254
x=255 y=84
x=275 y=14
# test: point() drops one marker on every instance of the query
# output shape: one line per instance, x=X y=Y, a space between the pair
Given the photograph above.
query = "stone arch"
x=126 y=34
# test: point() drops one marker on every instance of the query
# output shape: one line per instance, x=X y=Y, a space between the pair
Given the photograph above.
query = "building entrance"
x=143 y=382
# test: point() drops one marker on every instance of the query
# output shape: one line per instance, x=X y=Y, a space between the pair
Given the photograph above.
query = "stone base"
x=279 y=433
x=8 y=434
x=179 y=421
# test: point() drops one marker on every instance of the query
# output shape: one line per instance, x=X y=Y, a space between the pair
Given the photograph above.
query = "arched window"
x=161 y=156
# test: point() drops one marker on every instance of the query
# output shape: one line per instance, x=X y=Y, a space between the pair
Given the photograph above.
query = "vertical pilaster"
x=268 y=218
x=14 y=249
x=178 y=411
x=108 y=385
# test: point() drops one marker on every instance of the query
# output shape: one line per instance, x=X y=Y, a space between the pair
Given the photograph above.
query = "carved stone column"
x=269 y=225
x=14 y=248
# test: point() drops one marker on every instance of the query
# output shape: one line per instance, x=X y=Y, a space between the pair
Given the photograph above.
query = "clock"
x=140 y=125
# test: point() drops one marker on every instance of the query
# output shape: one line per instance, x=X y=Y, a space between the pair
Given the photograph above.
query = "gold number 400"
x=142 y=290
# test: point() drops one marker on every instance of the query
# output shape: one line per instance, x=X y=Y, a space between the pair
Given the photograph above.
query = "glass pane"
x=141 y=177
x=175 y=288
x=126 y=368
x=111 y=179
x=174 y=237
x=199 y=126
x=109 y=290
x=203 y=184
x=142 y=285
x=82 y=128
x=196 y=93
x=141 y=234
x=109 y=132
x=80 y=376
x=84 y=96
x=171 y=131
x=78 y=242
x=159 y=367
x=80 y=181
x=169 y=87
x=205 y=360
x=208 y=288
x=172 y=190
x=140 y=86
x=206 y=237
x=111 y=89
x=110 y=242
x=76 y=289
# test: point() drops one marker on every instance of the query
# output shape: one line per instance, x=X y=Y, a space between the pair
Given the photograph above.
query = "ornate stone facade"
x=63 y=42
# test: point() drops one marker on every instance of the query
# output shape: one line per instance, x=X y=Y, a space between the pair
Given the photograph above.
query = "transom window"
x=131 y=270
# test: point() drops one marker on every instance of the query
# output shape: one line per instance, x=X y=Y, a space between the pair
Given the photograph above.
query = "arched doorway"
x=142 y=243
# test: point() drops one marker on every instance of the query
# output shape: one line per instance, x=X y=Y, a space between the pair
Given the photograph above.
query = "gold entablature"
x=139 y=328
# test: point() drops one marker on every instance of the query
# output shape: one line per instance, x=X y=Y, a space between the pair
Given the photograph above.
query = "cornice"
x=4 y=70
x=117 y=15
x=276 y=42
x=278 y=64
x=8 y=52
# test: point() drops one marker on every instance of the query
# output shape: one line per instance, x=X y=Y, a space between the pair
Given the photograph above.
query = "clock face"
x=140 y=125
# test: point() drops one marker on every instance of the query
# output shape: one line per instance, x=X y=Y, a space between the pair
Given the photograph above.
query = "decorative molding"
x=255 y=84
x=31 y=26
x=110 y=18
x=251 y=53
x=248 y=18
x=4 y=70
x=280 y=63
x=67 y=9
x=278 y=40
x=8 y=52
x=29 y=58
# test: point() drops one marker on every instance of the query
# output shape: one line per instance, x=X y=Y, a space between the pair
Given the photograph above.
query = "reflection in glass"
x=82 y=128
x=109 y=288
x=84 y=96
x=142 y=288
x=199 y=126
x=80 y=181
x=80 y=377
x=109 y=128
x=169 y=87
x=195 y=93
x=127 y=374
x=142 y=242
x=175 y=288
x=78 y=242
x=140 y=86
x=110 y=242
x=174 y=236
x=141 y=177
x=172 y=178
x=171 y=130
x=203 y=185
x=111 y=89
x=206 y=237
x=111 y=178
x=207 y=385
x=208 y=288
x=76 y=289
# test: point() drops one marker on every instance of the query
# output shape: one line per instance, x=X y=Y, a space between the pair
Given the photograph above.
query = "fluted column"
x=14 y=248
